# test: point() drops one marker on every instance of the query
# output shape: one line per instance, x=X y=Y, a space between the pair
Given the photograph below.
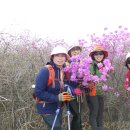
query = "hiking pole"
x=67 y=105
x=80 y=101
x=68 y=115
x=57 y=112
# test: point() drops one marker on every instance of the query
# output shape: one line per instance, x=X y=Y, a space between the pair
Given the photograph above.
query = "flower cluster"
x=80 y=70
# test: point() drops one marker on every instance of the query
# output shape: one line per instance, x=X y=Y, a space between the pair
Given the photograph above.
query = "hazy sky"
x=68 y=19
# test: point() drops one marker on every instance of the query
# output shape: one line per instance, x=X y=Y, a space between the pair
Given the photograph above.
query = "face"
x=75 y=51
x=99 y=55
x=128 y=62
x=59 y=59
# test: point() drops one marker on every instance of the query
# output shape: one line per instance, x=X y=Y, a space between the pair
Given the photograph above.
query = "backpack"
x=51 y=80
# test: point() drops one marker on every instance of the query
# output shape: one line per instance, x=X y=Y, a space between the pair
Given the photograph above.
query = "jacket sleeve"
x=41 y=90
x=126 y=82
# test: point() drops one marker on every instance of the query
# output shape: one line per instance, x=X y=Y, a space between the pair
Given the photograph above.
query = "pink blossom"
x=105 y=28
x=120 y=26
x=105 y=88
x=73 y=77
x=117 y=94
x=111 y=88
x=100 y=65
x=128 y=88
x=128 y=103
x=95 y=78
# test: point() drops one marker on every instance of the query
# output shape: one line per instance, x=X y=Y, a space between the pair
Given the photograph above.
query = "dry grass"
x=20 y=59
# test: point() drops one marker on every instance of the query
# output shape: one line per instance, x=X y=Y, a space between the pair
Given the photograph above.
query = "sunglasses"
x=98 y=53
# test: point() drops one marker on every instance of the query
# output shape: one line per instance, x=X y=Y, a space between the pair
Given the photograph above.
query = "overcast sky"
x=68 y=19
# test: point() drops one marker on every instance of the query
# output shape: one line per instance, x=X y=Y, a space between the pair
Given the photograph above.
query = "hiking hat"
x=74 y=47
x=99 y=48
x=127 y=56
x=126 y=59
x=58 y=50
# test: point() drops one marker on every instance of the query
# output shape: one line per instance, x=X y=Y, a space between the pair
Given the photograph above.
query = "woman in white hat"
x=49 y=85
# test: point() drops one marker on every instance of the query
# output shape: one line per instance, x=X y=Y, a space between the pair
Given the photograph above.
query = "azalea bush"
x=21 y=57
x=117 y=43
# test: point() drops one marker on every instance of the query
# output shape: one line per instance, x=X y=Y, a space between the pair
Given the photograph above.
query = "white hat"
x=127 y=56
x=73 y=46
x=59 y=49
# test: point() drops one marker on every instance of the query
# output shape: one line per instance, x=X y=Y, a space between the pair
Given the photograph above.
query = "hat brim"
x=74 y=47
x=104 y=52
x=67 y=56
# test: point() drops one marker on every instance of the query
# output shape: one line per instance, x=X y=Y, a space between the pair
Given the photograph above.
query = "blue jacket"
x=47 y=93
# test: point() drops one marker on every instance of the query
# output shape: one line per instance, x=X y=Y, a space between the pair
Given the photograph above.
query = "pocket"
x=47 y=108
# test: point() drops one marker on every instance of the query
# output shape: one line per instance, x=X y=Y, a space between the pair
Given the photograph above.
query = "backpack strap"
x=61 y=78
x=51 y=78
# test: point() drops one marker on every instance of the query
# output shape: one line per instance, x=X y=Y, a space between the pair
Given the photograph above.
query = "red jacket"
x=127 y=80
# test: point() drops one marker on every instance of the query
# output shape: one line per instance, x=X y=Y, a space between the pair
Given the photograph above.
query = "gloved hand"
x=64 y=96
x=77 y=91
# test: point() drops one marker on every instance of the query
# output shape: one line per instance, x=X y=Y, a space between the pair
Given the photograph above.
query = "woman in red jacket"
x=127 y=75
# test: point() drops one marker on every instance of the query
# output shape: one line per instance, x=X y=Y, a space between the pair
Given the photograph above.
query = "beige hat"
x=127 y=56
x=59 y=49
x=74 y=46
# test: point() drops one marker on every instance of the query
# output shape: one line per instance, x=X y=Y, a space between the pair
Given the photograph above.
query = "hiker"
x=94 y=95
x=74 y=105
x=50 y=95
x=127 y=75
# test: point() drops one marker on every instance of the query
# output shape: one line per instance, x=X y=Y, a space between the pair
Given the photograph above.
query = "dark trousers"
x=49 y=119
x=96 y=106
x=76 y=119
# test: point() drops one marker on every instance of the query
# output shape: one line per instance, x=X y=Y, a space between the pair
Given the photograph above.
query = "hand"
x=77 y=91
x=64 y=96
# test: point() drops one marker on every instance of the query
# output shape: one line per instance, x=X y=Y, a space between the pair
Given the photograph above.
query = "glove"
x=64 y=96
x=77 y=91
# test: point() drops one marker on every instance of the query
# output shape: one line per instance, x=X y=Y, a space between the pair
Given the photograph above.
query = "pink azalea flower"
x=128 y=88
x=95 y=78
x=128 y=103
x=103 y=78
x=106 y=28
x=120 y=26
x=111 y=88
x=100 y=65
x=73 y=77
x=117 y=94
x=105 y=88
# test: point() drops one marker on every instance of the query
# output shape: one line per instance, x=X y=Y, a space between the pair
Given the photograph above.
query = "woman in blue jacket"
x=50 y=95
